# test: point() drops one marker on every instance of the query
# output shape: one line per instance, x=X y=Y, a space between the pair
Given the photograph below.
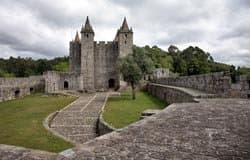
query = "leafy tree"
x=143 y=61
x=233 y=73
x=179 y=65
x=43 y=65
x=243 y=70
x=61 y=66
x=131 y=72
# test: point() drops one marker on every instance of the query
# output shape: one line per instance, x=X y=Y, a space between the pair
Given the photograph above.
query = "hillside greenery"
x=24 y=67
x=190 y=61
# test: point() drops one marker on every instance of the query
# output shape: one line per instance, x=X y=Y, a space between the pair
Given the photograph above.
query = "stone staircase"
x=77 y=122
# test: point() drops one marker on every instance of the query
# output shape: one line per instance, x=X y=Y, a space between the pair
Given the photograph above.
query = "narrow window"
x=126 y=35
x=125 y=42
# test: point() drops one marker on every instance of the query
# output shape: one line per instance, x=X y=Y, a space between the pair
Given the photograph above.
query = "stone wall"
x=106 y=55
x=75 y=56
x=170 y=95
x=56 y=81
x=103 y=127
x=125 y=43
x=212 y=83
x=217 y=83
x=11 y=88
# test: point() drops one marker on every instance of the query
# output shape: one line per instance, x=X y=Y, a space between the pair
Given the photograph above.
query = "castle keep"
x=92 y=64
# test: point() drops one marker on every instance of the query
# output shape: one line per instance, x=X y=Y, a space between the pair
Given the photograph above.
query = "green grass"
x=21 y=122
x=122 y=111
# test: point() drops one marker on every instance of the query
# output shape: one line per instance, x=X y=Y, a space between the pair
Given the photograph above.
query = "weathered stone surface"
x=217 y=83
x=74 y=122
x=210 y=129
x=173 y=94
x=11 y=88
x=8 y=152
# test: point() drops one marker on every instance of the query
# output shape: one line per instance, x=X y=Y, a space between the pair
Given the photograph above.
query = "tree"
x=143 y=61
x=61 y=66
x=131 y=72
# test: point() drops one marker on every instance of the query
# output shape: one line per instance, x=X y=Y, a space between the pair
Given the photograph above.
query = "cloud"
x=43 y=28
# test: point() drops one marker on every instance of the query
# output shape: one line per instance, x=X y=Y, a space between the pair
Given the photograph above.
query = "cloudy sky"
x=43 y=28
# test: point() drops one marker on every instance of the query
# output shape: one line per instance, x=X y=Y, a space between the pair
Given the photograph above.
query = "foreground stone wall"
x=11 y=88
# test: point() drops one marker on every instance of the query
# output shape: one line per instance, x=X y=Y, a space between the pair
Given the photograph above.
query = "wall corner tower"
x=125 y=39
x=87 y=57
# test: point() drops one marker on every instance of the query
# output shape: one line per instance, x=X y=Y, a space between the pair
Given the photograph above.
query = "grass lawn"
x=122 y=111
x=21 y=122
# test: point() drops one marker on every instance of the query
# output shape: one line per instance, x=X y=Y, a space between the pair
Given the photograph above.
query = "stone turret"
x=125 y=39
x=87 y=57
x=74 y=54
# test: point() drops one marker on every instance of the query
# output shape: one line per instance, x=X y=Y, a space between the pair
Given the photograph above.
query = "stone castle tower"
x=93 y=64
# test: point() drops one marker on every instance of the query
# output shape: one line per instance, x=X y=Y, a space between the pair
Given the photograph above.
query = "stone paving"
x=77 y=121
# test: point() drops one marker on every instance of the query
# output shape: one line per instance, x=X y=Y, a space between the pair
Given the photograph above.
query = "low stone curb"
x=102 y=126
x=47 y=122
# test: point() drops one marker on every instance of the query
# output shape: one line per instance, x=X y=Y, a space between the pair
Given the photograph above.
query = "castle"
x=92 y=64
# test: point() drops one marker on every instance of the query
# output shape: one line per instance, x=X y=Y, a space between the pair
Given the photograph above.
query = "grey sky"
x=43 y=28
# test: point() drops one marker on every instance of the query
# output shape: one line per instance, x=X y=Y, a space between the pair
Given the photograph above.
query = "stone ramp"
x=193 y=92
x=77 y=121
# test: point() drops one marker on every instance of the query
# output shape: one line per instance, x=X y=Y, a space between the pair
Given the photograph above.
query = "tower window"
x=126 y=35
x=87 y=35
x=125 y=42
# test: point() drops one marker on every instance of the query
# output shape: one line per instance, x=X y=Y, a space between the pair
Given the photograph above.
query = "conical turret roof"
x=124 y=26
x=77 y=38
x=87 y=28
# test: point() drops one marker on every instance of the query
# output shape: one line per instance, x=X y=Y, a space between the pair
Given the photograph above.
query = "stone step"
x=73 y=121
x=79 y=114
x=74 y=130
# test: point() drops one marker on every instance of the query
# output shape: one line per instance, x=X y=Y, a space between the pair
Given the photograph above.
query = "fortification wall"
x=106 y=55
x=170 y=95
x=11 y=88
x=56 y=81
x=212 y=83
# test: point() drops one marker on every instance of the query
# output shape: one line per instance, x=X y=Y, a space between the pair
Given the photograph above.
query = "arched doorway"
x=66 y=85
x=111 y=83
x=31 y=90
x=17 y=93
